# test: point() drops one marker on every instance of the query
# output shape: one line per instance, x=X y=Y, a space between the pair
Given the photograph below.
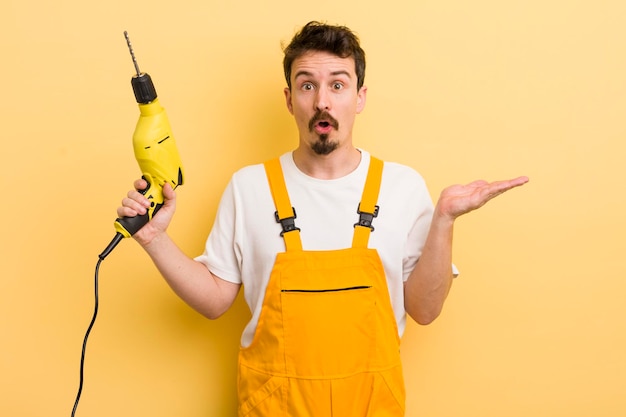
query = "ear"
x=360 y=99
x=288 y=100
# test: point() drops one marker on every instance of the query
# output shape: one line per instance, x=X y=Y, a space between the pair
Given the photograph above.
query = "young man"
x=326 y=242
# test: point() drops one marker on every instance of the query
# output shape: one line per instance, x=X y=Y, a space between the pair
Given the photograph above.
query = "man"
x=326 y=241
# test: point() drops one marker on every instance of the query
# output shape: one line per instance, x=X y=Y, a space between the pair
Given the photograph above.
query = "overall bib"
x=326 y=343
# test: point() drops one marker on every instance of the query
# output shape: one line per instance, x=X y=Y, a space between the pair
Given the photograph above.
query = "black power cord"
x=93 y=320
x=117 y=239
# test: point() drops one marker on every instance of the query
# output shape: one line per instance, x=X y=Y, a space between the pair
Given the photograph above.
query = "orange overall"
x=326 y=343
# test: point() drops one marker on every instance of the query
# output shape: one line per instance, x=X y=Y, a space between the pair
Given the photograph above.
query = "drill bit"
x=132 y=53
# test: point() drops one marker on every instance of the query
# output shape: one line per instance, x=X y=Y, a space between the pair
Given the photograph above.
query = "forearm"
x=429 y=283
x=191 y=280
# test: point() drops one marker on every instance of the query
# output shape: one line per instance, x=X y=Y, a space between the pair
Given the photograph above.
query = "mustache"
x=323 y=115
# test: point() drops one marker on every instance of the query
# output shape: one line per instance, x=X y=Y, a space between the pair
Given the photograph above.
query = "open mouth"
x=323 y=127
x=323 y=123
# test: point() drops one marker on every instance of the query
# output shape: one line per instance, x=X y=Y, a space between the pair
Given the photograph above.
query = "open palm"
x=457 y=200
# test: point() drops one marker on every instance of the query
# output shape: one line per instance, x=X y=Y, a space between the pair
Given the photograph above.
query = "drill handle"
x=128 y=226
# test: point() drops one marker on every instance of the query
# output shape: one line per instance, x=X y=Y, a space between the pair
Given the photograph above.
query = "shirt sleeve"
x=418 y=233
x=221 y=254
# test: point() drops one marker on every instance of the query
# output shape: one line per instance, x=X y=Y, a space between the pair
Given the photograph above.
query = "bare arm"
x=429 y=283
x=190 y=280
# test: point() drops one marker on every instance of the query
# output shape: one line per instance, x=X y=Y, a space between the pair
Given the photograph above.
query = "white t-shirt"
x=245 y=238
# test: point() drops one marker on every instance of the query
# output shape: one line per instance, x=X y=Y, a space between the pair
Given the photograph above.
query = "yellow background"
x=459 y=90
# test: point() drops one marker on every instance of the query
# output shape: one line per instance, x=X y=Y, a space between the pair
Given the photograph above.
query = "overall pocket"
x=388 y=394
x=260 y=394
x=328 y=328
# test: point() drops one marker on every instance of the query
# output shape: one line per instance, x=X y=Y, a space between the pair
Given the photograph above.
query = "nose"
x=322 y=100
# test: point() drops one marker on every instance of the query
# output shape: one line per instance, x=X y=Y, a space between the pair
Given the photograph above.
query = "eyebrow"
x=304 y=73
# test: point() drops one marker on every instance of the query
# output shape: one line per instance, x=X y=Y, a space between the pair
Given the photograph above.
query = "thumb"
x=168 y=192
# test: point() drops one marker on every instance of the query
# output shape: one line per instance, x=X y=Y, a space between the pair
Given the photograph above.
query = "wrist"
x=149 y=238
x=443 y=217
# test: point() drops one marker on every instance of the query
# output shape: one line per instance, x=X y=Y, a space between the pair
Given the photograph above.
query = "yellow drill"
x=155 y=151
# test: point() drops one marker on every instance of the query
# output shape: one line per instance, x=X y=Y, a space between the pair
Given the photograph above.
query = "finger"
x=520 y=180
x=477 y=183
x=497 y=188
x=139 y=198
x=136 y=201
x=140 y=184
x=130 y=208
x=508 y=184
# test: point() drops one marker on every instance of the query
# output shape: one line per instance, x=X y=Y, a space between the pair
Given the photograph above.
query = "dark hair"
x=316 y=36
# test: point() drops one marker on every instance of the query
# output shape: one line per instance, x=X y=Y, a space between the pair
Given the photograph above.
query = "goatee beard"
x=323 y=146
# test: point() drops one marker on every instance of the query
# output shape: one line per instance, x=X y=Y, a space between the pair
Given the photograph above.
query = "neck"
x=336 y=164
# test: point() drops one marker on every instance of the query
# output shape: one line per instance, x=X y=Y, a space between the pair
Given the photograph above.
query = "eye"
x=307 y=86
x=337 y=86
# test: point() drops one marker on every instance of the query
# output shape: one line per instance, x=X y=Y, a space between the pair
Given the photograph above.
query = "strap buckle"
x=288 y=223
x=365 y=219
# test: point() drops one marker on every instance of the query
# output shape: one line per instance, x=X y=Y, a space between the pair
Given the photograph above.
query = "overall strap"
x=285 y=213
x=367 y=208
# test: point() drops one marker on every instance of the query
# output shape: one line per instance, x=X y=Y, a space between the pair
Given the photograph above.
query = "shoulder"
x=249 y=179
x=255 y=173
x=249 y=173
x=400 y=172
x=404 y=186
x=400 y=178
x=394 y=170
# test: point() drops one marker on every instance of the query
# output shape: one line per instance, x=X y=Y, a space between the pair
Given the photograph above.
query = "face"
x=324 y=100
